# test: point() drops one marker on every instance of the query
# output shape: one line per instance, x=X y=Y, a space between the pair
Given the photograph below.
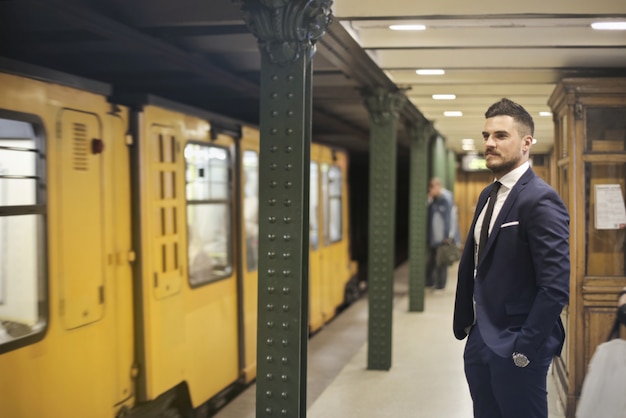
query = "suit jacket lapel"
x=508 y=205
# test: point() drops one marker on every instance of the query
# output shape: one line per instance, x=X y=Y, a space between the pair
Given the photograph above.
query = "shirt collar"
x=509 y=179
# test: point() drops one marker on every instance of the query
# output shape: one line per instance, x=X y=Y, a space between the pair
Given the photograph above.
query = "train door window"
x=251 y=207
x=335 y=204
x=23 y=294
x=332 y=201
x=208 y=213
x=314 y=228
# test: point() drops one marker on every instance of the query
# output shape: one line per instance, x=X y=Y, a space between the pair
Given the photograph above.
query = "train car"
x=128 y=250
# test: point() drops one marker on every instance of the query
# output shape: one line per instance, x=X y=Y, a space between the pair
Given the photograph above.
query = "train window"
x=23 y=296
x=335 y=204
x=332 y=202
x=251 y=207
x=208 y=213
x=314 y=228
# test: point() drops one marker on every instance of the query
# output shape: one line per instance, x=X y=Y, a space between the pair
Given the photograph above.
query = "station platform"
x=426 y=379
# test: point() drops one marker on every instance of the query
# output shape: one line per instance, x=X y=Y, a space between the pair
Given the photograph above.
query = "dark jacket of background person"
x=440 y=219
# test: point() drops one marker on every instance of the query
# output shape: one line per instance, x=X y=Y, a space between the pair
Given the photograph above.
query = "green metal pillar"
x=286 y=30
x=418 y=214
x=384 y=107
x=451 y=169
x=438 y=159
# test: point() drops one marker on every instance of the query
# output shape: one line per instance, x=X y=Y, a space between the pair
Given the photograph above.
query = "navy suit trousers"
x=499 y=389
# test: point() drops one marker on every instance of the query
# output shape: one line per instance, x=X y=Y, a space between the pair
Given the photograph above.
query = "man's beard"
x=504 y=166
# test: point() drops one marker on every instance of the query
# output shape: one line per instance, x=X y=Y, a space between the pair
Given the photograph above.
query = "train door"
x=249 y=244
x=81 y=219
x=317 y=316
x=189 y=279
x=95 y=279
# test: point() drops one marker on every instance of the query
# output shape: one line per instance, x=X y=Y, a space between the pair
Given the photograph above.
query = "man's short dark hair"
x=506 y=107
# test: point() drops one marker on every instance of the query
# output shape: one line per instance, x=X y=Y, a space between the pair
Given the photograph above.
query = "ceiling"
x=489 y=50
x=201 y=53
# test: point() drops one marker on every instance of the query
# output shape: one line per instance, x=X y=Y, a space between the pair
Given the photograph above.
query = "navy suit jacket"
x=522 y=281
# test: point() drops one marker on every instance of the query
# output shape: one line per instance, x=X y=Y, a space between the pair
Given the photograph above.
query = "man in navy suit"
x=512 y=288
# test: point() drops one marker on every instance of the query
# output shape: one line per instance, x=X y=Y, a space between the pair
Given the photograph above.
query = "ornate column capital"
x=419 y=129
x=383 y=105
x=287 y=29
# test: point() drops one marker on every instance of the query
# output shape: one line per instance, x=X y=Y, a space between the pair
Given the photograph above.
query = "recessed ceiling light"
x=467 y=141
x=407 y=27
x=545 y=114
x=609 y=25
x=430 y=72
x=444 y=96
x=534 y=140
x=453 y=113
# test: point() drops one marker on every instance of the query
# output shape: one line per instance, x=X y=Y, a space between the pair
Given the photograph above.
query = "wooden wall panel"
x=597 y=323
x=467 y=189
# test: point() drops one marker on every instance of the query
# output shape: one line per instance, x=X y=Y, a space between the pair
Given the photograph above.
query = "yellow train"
x=128 y=250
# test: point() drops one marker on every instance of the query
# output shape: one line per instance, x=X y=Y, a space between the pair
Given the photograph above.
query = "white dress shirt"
x=508 y=181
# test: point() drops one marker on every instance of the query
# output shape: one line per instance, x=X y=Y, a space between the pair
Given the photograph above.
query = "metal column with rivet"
x=286 y=31
x=451 y=170
x=439 y=159
x=384 y=107
x=418 y=213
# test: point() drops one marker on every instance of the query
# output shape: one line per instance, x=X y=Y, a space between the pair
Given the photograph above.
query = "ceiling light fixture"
x=430 y=72
x=545 y=114
x=609 y=25
x=444 y=96
x=407 y=27
x=453 y=113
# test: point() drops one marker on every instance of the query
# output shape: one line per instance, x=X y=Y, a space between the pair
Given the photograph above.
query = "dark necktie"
x=484 y=231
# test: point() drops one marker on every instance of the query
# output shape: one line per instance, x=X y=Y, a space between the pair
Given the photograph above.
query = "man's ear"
x=527 y=142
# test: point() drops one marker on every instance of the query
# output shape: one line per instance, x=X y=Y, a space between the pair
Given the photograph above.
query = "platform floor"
x=426 y=378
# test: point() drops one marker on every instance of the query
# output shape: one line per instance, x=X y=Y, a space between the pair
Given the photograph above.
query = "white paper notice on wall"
x=610 y=210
